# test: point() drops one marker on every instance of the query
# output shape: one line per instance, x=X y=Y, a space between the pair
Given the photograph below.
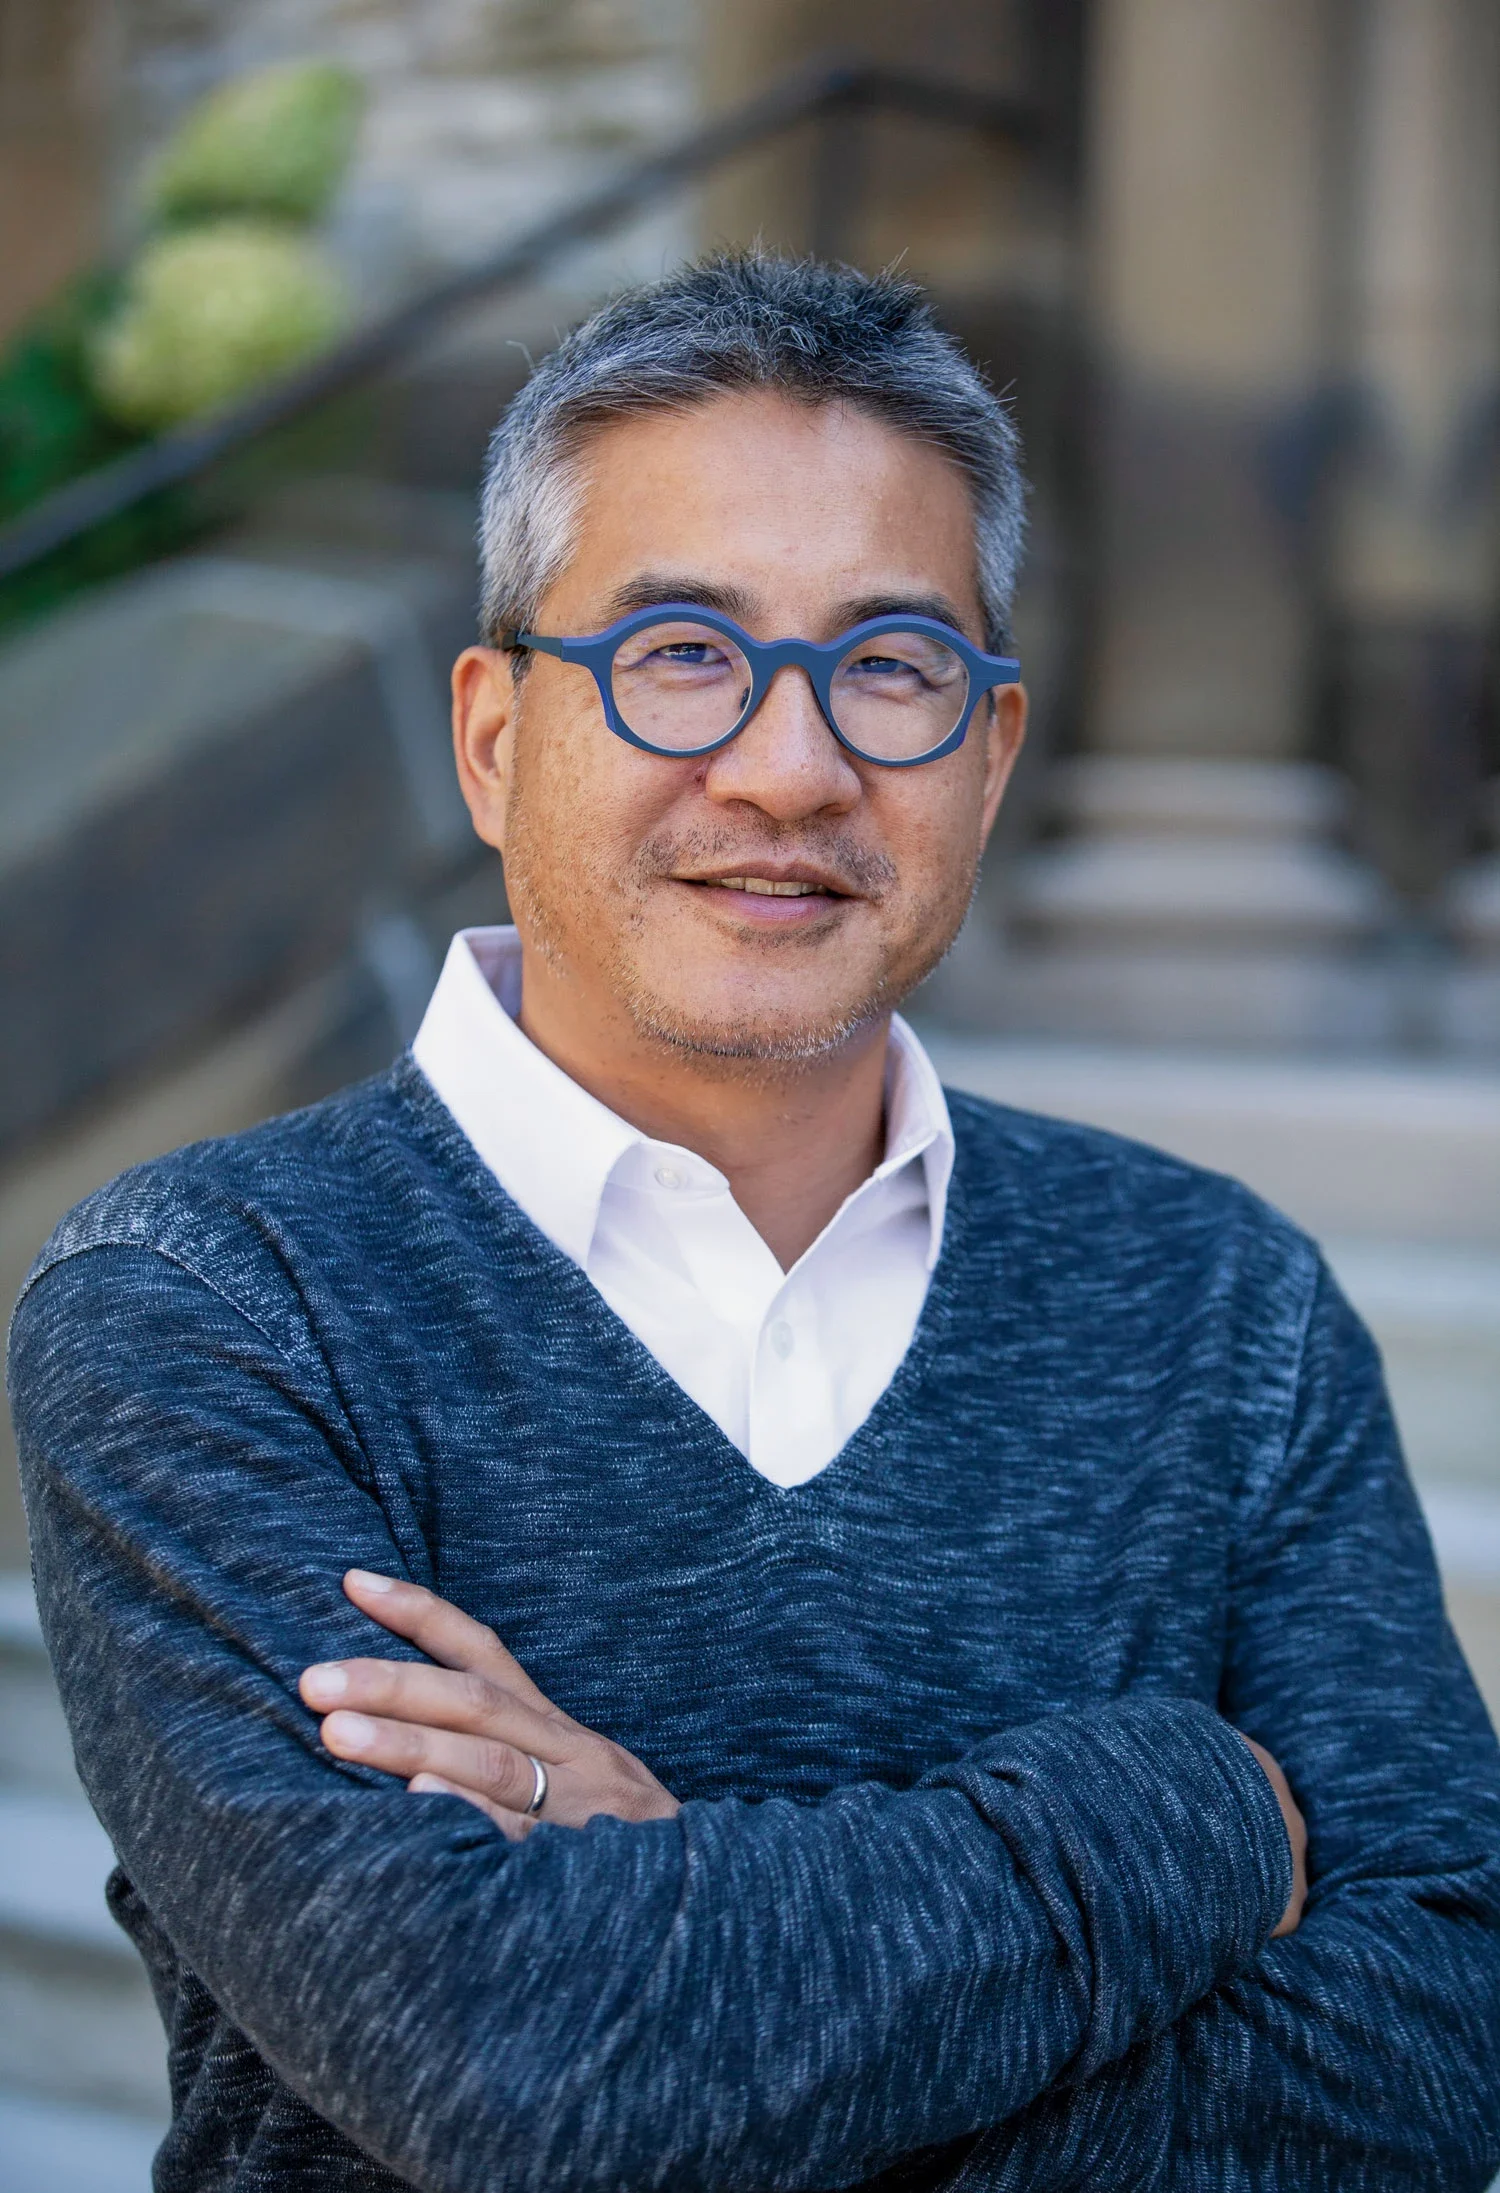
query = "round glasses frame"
x=819 y=659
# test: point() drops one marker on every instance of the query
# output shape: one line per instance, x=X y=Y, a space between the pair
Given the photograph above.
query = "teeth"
x=767 y=890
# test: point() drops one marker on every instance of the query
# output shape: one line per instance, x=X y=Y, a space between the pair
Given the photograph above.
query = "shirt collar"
x=553 y=1147
x=917 y=1126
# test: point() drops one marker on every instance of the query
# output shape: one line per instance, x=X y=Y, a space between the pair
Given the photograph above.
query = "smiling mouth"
x=763 y=887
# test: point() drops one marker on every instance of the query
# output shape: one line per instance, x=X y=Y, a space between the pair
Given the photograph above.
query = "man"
x=847 y=1563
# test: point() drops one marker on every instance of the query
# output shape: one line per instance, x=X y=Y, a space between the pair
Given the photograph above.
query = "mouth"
x=766 y=887
x=789 y=896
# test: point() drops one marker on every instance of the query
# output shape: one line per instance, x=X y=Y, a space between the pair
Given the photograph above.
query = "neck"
x=792 y=1140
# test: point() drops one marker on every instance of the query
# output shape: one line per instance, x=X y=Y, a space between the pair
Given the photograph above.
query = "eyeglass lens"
x=898 y=695
x=681 y=686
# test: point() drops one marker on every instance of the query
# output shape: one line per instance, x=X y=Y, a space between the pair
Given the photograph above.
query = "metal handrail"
x=822 y=90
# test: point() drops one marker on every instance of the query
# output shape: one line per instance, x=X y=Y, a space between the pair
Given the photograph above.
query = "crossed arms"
x=469 y=1722
x=1060 y=1942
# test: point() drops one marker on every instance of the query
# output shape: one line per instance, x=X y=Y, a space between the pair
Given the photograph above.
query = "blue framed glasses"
x=681 y=681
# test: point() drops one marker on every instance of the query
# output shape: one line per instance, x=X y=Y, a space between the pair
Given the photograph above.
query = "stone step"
x=77 y=2020
x=54 y=1861
x=1436 y=1315
x=1379 y=1151
x=49 y=2147
x=212 y=773
x=36 y=1752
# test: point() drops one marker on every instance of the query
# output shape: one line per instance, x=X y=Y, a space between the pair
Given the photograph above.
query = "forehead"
x=776 y=495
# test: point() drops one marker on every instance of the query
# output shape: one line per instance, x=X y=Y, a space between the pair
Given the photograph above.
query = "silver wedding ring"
x=539 y=1792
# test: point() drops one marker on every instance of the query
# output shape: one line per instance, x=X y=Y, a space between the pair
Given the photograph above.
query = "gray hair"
x=742 y=320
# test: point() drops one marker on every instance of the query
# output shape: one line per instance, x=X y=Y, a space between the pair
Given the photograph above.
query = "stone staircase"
x=83 y=2095
x=216 y=776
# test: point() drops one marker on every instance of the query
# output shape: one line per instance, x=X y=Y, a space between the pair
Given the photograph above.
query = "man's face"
x=796 y=521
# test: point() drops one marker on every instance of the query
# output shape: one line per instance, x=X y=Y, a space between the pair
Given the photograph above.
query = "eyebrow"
x=652 y=589
x=936 y=606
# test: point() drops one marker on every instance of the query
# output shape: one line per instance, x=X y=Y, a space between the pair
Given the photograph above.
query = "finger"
x=1296 y=1831
x=439 y=1698
x=1291 y=1918
x=515 y=1826
x=442 y=1631
x=401 y=1748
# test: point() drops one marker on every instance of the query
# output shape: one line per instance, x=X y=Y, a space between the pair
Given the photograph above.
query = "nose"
x=786 y=761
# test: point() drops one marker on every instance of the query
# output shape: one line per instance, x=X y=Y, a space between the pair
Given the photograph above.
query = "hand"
x=1296 y=1829
x=466 y=1725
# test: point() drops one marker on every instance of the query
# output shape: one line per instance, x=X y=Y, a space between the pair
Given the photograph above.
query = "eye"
x=871 y=667
x=903 y=662
x=673 y=650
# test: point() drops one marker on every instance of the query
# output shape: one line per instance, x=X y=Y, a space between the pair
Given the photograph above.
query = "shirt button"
x=667 y=1176
x=782 y=1338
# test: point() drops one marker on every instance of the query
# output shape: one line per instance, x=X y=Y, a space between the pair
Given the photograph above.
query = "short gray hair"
x=743 y=320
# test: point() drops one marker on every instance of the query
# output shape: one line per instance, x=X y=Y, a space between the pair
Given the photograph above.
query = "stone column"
x=1414 y=546
x=939 y=200
x=1198 y=893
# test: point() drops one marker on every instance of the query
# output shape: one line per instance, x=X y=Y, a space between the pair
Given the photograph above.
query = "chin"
x=770 y=1032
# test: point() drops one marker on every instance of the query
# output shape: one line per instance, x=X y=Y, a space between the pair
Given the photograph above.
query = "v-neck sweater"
x=973 y=1881
x=788 y=1363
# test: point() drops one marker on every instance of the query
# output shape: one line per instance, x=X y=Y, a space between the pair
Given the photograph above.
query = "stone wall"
x=483 y=113
x=55 y=71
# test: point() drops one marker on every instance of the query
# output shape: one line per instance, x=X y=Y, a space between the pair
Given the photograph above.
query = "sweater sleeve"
x=759 y=1996
x=1364 y=2049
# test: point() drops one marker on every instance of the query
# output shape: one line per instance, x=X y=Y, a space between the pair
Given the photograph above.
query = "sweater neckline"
x=641 y=1373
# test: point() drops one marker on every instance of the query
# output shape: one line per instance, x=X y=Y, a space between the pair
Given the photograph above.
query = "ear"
x=484 y=724
x=1005 y=734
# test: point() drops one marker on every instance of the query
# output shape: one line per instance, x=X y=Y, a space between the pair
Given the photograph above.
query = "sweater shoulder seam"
x=47 y=1264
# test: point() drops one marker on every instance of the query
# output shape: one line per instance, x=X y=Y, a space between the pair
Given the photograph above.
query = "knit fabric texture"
x=973 y=1883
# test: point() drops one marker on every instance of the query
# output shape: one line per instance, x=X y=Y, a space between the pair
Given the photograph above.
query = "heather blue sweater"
x=973 y=1886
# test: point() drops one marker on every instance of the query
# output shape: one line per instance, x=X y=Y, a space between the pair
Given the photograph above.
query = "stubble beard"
x=736 y=1048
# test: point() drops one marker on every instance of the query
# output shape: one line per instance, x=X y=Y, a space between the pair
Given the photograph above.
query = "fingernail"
x=429 y=1785
x=323 y=1684
x=350 y=1731
x=367 y=1580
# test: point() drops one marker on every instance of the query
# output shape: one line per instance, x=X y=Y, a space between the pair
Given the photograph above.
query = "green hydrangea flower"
x=276 y=142
x=208 y=314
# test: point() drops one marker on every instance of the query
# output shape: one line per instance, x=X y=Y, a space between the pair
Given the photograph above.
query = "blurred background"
x=269 y=270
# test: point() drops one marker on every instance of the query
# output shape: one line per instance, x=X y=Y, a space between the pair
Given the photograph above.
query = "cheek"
x=932 y=831
x=584 y=804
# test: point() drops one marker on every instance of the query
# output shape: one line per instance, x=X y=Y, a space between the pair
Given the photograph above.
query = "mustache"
x=838 y=853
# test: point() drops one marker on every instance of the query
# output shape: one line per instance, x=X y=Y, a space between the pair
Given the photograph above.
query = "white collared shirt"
x=788 y=1364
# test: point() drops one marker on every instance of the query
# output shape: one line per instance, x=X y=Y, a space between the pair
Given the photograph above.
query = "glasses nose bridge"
x=770 y=659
